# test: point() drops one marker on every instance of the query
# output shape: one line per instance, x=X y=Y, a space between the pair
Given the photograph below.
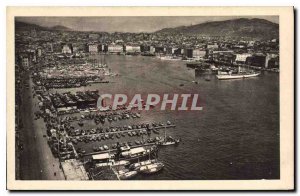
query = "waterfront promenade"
x=36 y=159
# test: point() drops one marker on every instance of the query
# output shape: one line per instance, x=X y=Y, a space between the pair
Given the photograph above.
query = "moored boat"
x=123 y=175
x=113 y=163
x=151 y=168
x=237 y=76
x=135 y=166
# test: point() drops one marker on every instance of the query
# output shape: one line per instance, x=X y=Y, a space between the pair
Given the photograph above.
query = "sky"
x=130 y=23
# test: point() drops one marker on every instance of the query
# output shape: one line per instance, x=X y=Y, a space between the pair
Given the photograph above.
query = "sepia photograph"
x=150 y=98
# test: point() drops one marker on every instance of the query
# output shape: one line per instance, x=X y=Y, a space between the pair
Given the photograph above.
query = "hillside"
x=253 y=28
x=28 y=26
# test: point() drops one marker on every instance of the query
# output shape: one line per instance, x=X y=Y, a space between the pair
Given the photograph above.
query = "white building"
x=132 y=48
x=152 y=49
x=39 y=52
x=242 y=57
x=212 y=46
x=197 y=53
x=67 y=49
x=115 y=49
x=25 y=62
x=93 y=48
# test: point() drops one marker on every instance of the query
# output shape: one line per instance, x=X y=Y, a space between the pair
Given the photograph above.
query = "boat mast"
x=165 y=134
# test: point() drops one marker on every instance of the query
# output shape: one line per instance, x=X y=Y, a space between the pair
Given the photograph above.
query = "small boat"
x=137 y=142
x=113 y=163
x=127 y=175
x=167 y=143
x=152 y=168
x=135 y=166
x=105 y=147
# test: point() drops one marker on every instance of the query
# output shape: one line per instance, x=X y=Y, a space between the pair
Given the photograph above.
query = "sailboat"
x=138 y=165
x=125 y=174
x=152 y=167
x=168 y=141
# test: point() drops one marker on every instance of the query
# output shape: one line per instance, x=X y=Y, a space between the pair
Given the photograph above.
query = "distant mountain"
x=253 y=28
x=28 y=26
x=60 y=28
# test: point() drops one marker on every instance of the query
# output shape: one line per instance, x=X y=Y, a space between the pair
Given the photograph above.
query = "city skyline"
x=131 y=24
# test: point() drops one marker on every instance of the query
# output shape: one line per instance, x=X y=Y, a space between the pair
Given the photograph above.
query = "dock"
x=125 y=131
x=114 y=150
x=74 y=170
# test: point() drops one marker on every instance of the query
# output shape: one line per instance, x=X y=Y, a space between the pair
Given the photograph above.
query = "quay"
x=124 y=131
x=114 y=150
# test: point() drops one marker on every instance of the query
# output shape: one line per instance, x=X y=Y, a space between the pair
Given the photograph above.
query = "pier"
x=125 y=131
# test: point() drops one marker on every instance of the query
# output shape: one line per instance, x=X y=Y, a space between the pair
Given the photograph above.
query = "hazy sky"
x=130 y=23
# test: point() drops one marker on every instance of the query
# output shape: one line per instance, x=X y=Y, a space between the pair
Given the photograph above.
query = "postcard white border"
x=286 y=25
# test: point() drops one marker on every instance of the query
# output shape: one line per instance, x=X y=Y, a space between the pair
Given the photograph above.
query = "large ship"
x=239 y=75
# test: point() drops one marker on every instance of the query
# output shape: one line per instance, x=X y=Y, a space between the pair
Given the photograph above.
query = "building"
x=258 y=60
x=212 y=46
x=115 y=48
x=251 y=43
x=132 y=49
x=177 y=52
x=169 y=50
x=32 y=55
x=25 y=61
x=222 y=56
x=93 y=48
x=49 y=47
x=273 y=63
x=67 y=49
x=145 y=48
x=159 y=49
x=102 y=48
x=241 y=58
x=152 y=49
x=93 y=36
x=188 y=52
x=198 y=53
x=39 y=52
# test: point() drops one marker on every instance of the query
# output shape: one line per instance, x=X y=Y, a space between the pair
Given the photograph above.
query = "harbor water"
x=235 y=136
